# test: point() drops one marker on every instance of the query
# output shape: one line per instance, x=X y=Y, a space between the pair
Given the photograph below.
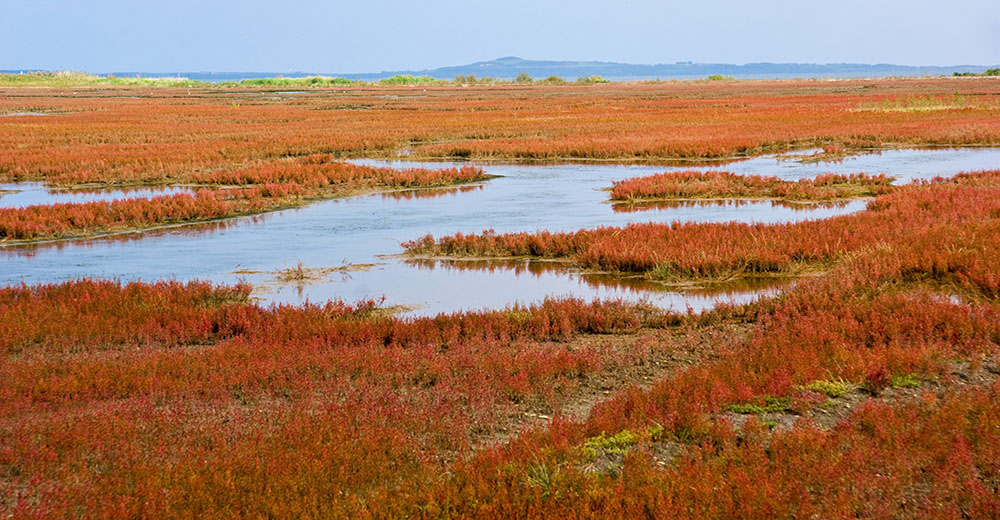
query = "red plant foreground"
x=131 y=399
x=719 y=185
x=883 y=313
x=261 y=188
x=174 y=399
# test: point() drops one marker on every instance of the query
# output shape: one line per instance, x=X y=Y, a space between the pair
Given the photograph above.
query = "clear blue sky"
x=377 y=35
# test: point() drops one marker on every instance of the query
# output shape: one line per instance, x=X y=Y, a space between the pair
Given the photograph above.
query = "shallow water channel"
x=347 y=245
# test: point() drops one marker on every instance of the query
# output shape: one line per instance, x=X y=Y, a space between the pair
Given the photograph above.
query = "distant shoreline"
x=509 y=68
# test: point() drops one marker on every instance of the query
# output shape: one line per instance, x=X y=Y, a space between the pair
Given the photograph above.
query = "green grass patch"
x=769 y=424
x=987 y=72
x=918 y=104
x=553 y=80
x=407 y=79
x=618 y=443
x=769 y=404
x=832 y=388
x=68 y=78
x=906 y=381
x=309 y=81
x=829 y=404
x=591 y=79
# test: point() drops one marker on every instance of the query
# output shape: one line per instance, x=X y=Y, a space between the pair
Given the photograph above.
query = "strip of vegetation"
x=136 y=135
x=987 y=72
x=252 y=190
x=726 y=185
x=766 y=404
x=68 y=78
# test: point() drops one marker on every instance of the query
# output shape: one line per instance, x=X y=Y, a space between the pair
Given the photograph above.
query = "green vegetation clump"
x=591 y=79
x=553 y=80
x=407 y=79
x=471 y=79
x=618 y=444
x=917 y=104
x=541 y=476
x=770 y=404
x=68 y=78
x=309 y=81
x=769 y=424
x=906 y=381
x=987 y=72
x=831 y=388
x=524 y=77
x=719 y=77
x=46 y=78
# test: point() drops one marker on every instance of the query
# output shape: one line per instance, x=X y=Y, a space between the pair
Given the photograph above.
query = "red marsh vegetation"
x=247 y=191
x=123 y=135
x=869 y=390
x=174 y=399
x=264 y=141
x=726 y=185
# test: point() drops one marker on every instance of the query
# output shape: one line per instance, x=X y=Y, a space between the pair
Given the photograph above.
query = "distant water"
x=219 y=77
x=613 y=74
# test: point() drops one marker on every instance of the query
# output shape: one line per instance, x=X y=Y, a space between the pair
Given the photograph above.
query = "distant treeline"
x=68 y=78
x=988 y=72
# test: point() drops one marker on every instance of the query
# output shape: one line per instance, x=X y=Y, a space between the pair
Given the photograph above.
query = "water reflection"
x=33 y=249
x=24 y=114
x=430 y=287
x=629 y=207
x=636 y=284
x=21 y=194
x=430 y=193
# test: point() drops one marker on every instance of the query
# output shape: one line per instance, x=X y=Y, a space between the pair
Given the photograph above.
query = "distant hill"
x=509 y=67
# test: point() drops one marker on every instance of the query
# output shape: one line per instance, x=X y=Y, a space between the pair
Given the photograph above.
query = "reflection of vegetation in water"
x=516 y=265
x=199 y=228
x=431 y=193
x=597 y=280
x=631 y=207
x=124 y=190
x=744 y=285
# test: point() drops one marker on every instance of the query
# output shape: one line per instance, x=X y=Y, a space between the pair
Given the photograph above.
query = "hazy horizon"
x=373 y=72
x=314 y=36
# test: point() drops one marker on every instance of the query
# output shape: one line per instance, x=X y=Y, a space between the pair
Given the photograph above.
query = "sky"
x=383 y=35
